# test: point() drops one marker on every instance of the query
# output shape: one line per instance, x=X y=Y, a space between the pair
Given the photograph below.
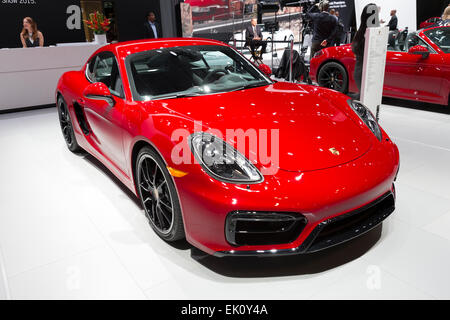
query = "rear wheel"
x=158 y=195
x=66 y=124
x=333 y=75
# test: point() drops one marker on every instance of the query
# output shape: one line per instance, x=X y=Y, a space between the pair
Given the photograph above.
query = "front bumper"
x=333 y=231
x=321 y=196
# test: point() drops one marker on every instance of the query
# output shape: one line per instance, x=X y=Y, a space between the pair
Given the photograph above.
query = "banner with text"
x=346 y=10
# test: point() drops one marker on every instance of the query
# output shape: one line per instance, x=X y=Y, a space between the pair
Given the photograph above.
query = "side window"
x=414 y=40
x=90 y=69
x=104 y=68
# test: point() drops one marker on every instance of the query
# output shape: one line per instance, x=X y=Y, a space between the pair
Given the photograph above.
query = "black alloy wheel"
x=158 y=195
x=66 y=126
x=333 y=76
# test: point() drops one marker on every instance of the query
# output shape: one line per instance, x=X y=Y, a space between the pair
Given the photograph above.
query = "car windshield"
x=189 y=71
x=441 y=37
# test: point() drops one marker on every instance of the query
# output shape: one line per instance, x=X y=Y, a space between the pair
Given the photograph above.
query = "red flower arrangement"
x=98 y=23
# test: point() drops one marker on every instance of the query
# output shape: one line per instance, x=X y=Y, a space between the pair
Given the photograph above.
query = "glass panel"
x=107 y=72
x=190 y=70
x=441 y=37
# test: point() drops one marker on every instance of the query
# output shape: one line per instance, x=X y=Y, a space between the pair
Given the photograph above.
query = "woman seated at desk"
x=30 y=35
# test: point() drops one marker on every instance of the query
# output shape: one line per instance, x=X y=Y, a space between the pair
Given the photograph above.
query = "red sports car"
x=421 y=71
x=220 y=154
x=429 y=22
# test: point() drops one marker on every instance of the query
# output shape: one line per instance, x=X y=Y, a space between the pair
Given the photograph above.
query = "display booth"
x=67 y=41
x=28 y=77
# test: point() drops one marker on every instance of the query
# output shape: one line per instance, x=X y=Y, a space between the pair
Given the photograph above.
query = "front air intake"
x=263 y=228
x=351 y=225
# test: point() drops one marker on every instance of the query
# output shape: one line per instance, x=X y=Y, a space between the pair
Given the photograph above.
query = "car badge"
x=334 y=151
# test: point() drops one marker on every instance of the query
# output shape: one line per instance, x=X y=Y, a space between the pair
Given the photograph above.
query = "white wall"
x=406 y=11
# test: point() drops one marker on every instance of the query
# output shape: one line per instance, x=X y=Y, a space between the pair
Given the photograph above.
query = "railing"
x=272 y=42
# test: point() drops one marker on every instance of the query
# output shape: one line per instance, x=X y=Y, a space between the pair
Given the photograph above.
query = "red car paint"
x=429 y=22
x=310 y=120
x=407 y=76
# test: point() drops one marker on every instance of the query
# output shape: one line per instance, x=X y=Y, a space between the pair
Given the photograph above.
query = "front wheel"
x=333 y=76
x=66 y=124
x=158 y=195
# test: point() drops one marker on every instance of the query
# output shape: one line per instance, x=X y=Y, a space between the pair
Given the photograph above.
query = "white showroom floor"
x=68 y=230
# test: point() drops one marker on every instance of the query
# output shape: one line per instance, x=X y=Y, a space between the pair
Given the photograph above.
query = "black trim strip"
x=308 y=245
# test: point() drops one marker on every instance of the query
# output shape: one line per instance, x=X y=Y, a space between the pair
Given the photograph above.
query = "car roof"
x=431 y=27
x=123 y=49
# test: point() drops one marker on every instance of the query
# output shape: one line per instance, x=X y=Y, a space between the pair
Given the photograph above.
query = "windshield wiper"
x=251 y=85
x=176 y=96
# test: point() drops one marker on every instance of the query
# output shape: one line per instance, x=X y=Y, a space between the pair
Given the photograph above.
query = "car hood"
x=313 y=133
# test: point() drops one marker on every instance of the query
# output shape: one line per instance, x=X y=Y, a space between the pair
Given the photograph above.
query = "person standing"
x=254 y=37
x=445 y=17
x=152 y=27
x=340 y=30
x=394 y=21
x=358 y=45
x=30 y=35
x=324 y=29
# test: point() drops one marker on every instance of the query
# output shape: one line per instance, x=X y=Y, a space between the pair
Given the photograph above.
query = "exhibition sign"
x=346 y=10
x=59 y=21
x=374 y=67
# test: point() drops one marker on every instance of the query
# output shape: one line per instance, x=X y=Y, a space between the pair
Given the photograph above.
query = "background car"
x=420 y=72
x=136 y=106
x=429 y=22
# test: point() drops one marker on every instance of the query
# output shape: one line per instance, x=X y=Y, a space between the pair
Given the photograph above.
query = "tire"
x=66 y=124
x=158 y=195
x=333 y=75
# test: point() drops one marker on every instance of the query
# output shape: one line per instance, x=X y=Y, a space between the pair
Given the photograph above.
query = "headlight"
x=221 y=161
x=364 y=113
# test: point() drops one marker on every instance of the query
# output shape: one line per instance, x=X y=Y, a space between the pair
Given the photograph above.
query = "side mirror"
x=99 y=91
x=419 y=50
x=264 y=68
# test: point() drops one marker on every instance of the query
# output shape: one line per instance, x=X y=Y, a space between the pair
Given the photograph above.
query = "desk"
x=28 y=76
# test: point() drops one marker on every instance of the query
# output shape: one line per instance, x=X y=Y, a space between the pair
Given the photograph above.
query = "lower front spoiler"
x=333 y=231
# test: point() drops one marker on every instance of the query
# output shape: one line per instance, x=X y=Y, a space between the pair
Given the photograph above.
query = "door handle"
x=81 y=102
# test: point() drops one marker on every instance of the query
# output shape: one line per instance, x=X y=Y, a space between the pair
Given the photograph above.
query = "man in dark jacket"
x=254 y=37
x=340 y=30
x=394 y=21
x=152 y=28
x=325 y=29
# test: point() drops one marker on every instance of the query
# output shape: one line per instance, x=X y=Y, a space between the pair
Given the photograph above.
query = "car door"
x=412 y=76
x=106 y=119
x=428 y=76
x=400 y=67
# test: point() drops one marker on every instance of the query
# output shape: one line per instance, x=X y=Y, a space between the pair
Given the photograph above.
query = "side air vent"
x=81 y=118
